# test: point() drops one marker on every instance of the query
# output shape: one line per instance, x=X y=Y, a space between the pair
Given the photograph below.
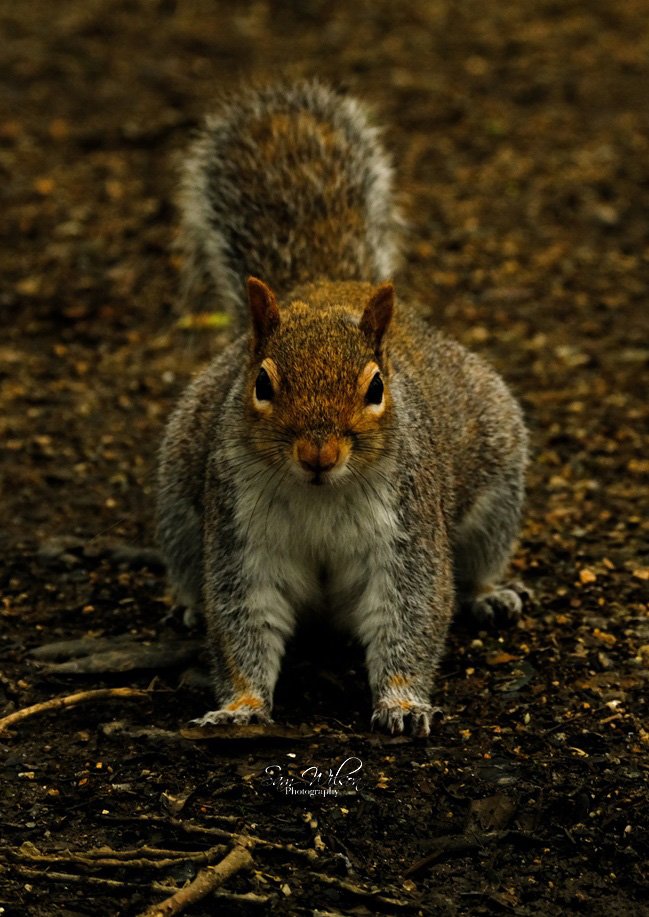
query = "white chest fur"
x=311 y=549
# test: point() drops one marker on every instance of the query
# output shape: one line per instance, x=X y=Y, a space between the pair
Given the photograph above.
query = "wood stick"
x=118 y=885
x=95 y=860
x=208 y=879
x=234 y=837
x=70 y=700
x=97 y=881
x=358 y=890
x=129 y=853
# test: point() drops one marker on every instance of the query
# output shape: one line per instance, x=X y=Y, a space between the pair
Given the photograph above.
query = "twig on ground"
x=248 y=840
x=95 y=881
x=258 y=732
x=449 y=846
x=208 y=879
x=457 y=845
x=115 y=884
x=216 y=816
x=359 y=891
x=70 y=700
x=95 y=860
x=146 y=851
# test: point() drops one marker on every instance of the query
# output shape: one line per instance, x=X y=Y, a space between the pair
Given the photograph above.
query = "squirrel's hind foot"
x=391 y=716
x=500 y=607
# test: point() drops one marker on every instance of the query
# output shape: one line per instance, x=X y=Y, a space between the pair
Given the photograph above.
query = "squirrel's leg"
x=247 y=628
x=179 y=535
x=482 y=550
x=403 y=617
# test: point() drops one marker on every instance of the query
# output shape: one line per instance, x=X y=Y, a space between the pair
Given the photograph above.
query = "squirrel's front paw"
x=390 y=715
x=237 y=713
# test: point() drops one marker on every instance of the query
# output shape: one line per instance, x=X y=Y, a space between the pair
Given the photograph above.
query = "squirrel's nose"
x=316 y=458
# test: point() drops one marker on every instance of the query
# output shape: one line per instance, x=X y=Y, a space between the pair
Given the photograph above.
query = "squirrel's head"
x=318 y=391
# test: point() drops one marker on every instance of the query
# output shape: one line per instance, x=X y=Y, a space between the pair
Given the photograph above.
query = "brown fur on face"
x=321 y=357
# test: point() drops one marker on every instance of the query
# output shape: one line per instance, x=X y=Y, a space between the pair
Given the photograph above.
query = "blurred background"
x=519 y=136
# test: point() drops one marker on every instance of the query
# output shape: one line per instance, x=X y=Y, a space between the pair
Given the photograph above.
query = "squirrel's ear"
x=378 y=312
x=264 y=311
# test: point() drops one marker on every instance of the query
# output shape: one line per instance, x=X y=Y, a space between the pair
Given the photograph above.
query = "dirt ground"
x=520 y=136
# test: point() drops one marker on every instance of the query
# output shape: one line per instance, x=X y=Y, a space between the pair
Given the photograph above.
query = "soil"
x=520 y=136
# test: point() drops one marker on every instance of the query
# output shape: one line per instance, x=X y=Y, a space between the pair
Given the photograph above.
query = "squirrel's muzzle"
x=317 y=458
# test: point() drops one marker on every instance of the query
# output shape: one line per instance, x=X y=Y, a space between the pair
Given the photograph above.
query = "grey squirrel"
x=339 y=457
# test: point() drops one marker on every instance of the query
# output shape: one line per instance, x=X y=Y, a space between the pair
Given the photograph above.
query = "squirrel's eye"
x=264 y=387
x=374 y=394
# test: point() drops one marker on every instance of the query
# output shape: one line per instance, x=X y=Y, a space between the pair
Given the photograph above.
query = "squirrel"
x=339 y=457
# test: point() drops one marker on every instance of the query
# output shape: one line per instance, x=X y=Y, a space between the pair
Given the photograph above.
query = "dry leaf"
x=500 y=658
x=587 y=576
x=609 y=639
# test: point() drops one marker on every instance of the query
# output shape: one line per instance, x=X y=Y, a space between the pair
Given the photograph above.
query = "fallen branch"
x=368 y=893
x=117 y=885
x=208 y=879
x=95 y=881
x=450 y=846
x=70 y=700
x=259 y=732
x=153 y=734
x=134 y=859
x=246 y=840
x=457 y=845
x=123 y=656
x=130 y=852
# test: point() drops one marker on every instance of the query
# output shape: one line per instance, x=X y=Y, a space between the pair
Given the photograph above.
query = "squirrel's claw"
x=239 y=717
x=391 y=716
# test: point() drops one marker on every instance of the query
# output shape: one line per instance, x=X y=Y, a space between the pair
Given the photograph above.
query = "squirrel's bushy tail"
x=290 y=184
